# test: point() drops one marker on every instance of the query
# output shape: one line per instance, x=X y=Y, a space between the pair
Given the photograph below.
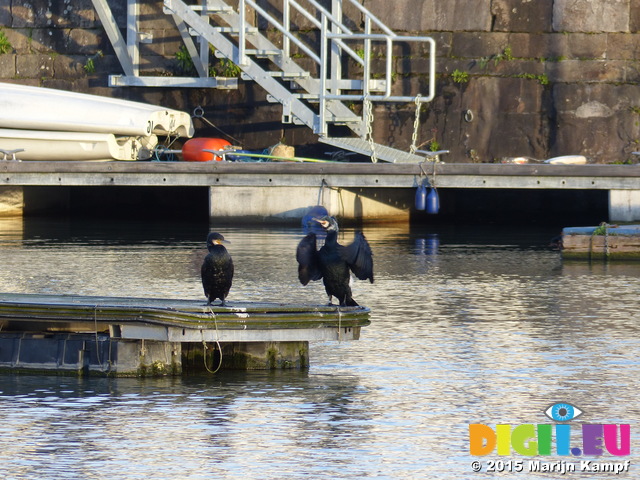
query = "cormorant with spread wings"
x=333 y=261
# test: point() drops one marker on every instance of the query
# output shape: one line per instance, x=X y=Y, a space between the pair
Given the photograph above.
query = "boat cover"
x=36 y=108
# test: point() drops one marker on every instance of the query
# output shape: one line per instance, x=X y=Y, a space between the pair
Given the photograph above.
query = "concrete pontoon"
x=122 y=336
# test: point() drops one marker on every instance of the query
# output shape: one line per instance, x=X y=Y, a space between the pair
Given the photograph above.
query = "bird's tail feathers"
x=350 y=302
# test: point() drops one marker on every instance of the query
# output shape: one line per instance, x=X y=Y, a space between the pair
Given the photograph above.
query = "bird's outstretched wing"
x=307 y=256
x=359 y=257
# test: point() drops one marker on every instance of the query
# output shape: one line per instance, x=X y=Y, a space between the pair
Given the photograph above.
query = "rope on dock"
x=95 y=323
x=321 y=192
x=323 y=185
x=432 y=181
x=15 y=364
x=95 y=329
x=198 y=112
x=204 y=345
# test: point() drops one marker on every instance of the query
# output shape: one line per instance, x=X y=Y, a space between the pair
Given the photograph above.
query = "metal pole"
x=242 y=39
x=132 y=35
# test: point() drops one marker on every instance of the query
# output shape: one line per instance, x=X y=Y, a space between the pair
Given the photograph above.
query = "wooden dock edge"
x=611 y=247
x=129 y=337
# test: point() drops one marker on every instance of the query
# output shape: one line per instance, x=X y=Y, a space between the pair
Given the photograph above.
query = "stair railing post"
x=366 y=105
x=132 y=35
x=388 y=76
x=242 y=60
x=322 y=106
x=336 y=64
x=204 y=43
x=286 y=22
x=115 y=37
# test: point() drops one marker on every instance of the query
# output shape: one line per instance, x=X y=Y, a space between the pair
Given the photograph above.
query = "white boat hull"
x=568 y=160
x=36 y=108
x=71 y=146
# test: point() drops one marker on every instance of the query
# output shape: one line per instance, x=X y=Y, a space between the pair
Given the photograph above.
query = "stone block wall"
x=515 y=77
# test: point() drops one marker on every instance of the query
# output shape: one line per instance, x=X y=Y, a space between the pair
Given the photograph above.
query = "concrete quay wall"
x=515 y=77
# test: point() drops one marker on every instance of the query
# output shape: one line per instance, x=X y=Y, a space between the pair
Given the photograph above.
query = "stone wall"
x=537 y=78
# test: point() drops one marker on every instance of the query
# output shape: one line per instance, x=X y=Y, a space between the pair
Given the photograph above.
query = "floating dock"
x=604 y=242
x=283 y=191
x=121 y=336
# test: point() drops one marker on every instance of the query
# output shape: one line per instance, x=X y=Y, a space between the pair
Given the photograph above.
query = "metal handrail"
x=278 y=25
x=334 y=21
x=335 y=46
x=387 y=96
x=342 y=34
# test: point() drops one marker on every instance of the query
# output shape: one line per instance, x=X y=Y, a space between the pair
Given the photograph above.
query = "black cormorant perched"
x=217 y=269
x=333 y=261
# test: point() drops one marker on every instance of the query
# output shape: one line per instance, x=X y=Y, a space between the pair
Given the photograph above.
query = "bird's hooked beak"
x=324 y=223
x=217 y=241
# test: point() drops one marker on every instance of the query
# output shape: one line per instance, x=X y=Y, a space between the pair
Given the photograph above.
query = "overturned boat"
x=49 y=124
x=46 y=145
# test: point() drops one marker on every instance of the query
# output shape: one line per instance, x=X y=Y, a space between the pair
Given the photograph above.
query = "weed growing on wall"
x=5 y=45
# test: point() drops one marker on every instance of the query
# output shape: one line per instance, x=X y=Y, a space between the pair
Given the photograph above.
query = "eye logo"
x=563 y=412
x=531 y=440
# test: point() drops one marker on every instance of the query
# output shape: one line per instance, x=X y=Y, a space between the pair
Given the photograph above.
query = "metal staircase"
x=301 y=53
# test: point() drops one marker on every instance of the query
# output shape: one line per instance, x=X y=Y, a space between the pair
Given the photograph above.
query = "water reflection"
x=468 y=326
x=106 y=424
x=428 y=245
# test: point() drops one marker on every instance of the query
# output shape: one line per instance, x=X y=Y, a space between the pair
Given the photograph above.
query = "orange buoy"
x=193 y=149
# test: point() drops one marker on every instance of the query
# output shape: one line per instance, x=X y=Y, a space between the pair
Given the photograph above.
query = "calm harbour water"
x=468 y=326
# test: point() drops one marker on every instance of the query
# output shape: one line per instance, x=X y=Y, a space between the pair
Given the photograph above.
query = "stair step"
x=311 y=97
x=283 y=75
x=213 y=10
x=289 y=75
x=262 y=53
x=363 y=147
x=235 y=31
x=353 y=119
x=256 y=52
x=307 y=96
